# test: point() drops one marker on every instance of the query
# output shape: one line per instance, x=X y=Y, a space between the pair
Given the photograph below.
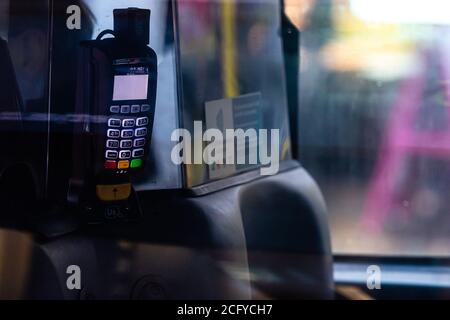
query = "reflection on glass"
x=23 y=102
x=231 y=50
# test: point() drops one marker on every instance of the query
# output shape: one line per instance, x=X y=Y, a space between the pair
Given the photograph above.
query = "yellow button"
x=114 y=192
x=123 y=164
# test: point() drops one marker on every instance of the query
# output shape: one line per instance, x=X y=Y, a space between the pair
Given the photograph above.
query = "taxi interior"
x=356 y=211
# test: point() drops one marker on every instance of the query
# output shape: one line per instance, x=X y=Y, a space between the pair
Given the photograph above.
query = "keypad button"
x=110 y=164
x=112 y=144
x=113 y=133
x=127 y=133
x=126 y=144
x=135 y=108
x=114 y=123
x=125 y=109
x=141 y=132
x=124 y=164
x=145 y=108
x=114 y=109
x=128 y=123
x=136 y=163
x=137 y=153
x=142 y=121
x=111 y=154
x=139 y=142
x=125 y=154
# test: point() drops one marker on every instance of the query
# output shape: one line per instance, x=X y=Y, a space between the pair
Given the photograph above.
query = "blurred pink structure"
x=402 y=140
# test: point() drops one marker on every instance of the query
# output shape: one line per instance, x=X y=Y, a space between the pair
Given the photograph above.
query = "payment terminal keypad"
x=127 y=134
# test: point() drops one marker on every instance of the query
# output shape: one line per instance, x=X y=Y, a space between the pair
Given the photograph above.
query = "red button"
x=110 y=164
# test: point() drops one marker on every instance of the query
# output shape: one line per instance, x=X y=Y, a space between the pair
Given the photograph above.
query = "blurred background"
x=374 y=120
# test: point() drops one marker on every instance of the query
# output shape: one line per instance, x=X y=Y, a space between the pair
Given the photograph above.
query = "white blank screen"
x=130 y=87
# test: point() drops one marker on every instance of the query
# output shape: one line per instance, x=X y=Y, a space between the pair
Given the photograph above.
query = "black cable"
x=104 y=33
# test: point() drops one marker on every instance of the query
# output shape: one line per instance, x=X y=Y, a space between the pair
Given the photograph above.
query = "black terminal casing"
x=132 y=24
x=100 y=61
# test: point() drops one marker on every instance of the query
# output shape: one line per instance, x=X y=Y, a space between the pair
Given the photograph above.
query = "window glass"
x=231 y=67
x=375 y=121
x=23 y=87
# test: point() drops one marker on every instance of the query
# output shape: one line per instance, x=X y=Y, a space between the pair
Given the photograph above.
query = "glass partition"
x=232 y=77
x=220 y=63
x=24 y=69
x=97 y=16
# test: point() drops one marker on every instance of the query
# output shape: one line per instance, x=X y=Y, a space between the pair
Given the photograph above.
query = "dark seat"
x=287 y=235
x=265 y=238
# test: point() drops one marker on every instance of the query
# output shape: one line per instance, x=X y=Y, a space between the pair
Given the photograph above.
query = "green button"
x=136 y=163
